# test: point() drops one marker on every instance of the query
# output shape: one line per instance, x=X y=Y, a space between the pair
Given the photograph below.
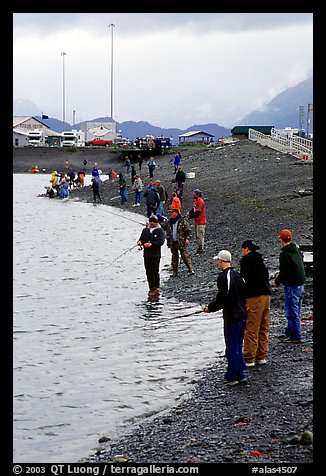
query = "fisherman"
x=138 y=188
x=159 y=187
x=151 y=239
x=198 y=212
x=177 y=239
x=122 y=185
x=80 y=181
x=55 y=180
x=152 y=199
x=49 y=191
x=176 y=162
x=292 y=275
x=96 y=189
x=231 y=298
x=151 y=167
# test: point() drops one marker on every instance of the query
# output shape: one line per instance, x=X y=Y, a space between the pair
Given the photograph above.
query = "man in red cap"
x=292 y=275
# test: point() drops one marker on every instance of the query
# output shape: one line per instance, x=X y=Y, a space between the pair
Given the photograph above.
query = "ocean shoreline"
x=251 y=192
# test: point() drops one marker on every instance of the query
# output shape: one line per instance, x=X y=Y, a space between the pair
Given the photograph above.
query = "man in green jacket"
x=292 y=275
x=177 y=239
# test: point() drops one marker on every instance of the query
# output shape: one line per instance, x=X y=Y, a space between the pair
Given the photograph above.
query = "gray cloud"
x=131 y=23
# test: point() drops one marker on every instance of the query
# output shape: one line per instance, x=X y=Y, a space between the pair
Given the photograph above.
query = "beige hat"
x=224 y=255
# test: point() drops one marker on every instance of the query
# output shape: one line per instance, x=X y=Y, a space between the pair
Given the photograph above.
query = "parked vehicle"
x=149 y=142
x=73 y=138
x=36 y=138
x=99 y=142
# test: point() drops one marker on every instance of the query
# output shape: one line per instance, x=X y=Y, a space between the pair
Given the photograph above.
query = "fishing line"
x=125 y=252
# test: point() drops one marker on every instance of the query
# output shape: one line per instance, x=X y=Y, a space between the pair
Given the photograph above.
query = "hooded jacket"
x=292 y=271
x=255 y=274
x=156 y=236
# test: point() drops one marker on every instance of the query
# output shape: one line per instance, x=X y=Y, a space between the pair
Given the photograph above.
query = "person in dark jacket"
x=151 y=239
x=232 y=300
x=152 y=200
x=96 y=189
x=122 y=185
x=258 y=304
x=180 y=177
x=292 y=275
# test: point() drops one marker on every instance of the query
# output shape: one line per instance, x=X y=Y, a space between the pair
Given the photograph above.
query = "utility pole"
x=310 y=109
x=112 y=27
x=74 y=119
x=300 y=120
x=63 y=89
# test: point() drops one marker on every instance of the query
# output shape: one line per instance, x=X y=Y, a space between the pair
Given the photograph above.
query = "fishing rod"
x=126 y=218
x=124 y=253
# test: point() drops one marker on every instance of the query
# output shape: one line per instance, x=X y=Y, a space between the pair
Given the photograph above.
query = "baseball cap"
x=197 y=191
x=285 y=235
x=153 y=218
x=249 y=244
x=224 y=255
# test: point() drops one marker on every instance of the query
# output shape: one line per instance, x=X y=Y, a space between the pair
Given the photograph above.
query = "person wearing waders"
x=151 y=240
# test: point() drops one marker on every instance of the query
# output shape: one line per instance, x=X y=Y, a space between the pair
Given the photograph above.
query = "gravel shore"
x=251 y=192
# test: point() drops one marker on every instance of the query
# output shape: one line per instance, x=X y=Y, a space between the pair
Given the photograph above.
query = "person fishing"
x=151 y=240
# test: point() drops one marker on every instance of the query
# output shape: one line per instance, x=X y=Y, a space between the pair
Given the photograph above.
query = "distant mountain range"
x=282 y=111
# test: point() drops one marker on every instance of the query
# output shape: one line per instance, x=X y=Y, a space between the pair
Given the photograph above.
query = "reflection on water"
x=91 y=354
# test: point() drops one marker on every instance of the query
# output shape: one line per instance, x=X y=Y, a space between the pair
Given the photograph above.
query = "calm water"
x=92 y=356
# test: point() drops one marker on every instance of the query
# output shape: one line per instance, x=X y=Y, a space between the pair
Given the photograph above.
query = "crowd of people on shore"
x=244 y=296
x=62 y=182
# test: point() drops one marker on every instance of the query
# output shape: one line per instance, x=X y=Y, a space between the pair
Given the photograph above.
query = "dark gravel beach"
x=251 y=192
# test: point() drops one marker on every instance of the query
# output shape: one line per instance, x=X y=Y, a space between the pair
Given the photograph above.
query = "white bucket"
x=191 y=175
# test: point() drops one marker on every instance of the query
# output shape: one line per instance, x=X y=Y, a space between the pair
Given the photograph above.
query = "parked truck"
x=36 y=138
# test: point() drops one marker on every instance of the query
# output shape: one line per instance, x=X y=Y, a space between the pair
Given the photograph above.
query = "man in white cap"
x=231 y=299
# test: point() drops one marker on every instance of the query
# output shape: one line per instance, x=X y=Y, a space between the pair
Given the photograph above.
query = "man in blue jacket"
x=231 y=298
x=292 y=275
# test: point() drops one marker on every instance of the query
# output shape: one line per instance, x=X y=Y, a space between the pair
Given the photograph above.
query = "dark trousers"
x=233 y=335
x=152 y=267
x=96 y=194
x=151 y=209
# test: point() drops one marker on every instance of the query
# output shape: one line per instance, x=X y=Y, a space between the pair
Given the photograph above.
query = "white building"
x=101 y=130
x=23 y=124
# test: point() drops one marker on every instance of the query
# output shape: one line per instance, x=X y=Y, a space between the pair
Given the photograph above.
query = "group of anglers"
x=243 y=296
x=63 y=182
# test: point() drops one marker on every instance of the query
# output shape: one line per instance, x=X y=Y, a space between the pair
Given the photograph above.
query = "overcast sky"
x=170 y=69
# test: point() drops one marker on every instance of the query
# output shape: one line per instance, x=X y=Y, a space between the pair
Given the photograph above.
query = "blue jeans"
x=293 y=296
x=123 y=195
x=233 y=335
x=160 y=209
x=137 y=196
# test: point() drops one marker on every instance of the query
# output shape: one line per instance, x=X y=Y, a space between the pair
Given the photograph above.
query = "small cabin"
x=241 y=132
x=196 y=137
